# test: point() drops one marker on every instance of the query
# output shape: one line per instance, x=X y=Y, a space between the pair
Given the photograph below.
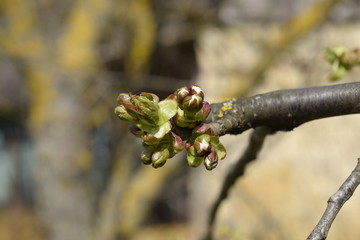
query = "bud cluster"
x=153 y=121
x=150 y=117
x=192 y=108
x=157 y=155
x=205 y=147
x=342 y=60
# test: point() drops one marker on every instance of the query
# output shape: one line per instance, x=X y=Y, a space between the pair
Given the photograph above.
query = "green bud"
x=204 y=128
x=196 y=90
x=152 y=97
x=332 y=54
x=136 y=131
x=143 y=109
x=202 y=144
x=204 y=112
x=150 y=139
x=147 y=110
x=121 y=112
x=146 y=157
x=181 y=121
x=192 y=104
x=159 y=158
x=177 y=143
x=124 y=98
x=211 y=160
x=181 y=93
x=338 y=71
x=217 y=147
x=194 y=161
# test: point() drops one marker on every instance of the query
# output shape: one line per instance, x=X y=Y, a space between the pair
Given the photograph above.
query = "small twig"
x=254 y=146
x=335 y=203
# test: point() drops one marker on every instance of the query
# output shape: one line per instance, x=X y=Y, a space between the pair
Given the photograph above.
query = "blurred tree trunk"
x=58 y=70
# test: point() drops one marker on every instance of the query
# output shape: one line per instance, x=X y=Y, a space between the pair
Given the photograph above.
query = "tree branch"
x=284 y=109
x=256 y=141
x=335 y=203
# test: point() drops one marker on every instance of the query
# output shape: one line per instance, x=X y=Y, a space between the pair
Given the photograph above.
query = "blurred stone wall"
x=284 y=192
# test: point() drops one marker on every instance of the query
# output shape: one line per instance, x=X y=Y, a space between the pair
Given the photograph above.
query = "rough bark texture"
x=285 y=109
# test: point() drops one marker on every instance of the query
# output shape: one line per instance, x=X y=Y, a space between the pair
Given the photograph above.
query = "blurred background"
x=69 y=169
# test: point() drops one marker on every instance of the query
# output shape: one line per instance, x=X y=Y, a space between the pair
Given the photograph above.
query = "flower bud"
x=204 y=112
x=196 y=90
x=179 y=119
x=181 y=93
x=187 y=145
x=192 y=104
x=150 y=96
x=159 y=158
x=202 y=144
x=124 y=98
x=150 y=139
x=332 y=54
x=204 y=128
x=136 y=131
x=146 y=157
x=177 y=143
x=211 y=160
x=121 y=112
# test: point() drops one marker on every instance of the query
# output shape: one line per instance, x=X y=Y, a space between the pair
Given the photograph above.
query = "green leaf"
x=168 y=109
x=162 y=130
x=338 y=71
x=194 y=161
x=219 y=148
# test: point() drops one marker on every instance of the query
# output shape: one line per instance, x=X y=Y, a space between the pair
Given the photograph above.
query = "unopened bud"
x=192 y=104
x=121 y=112
x=204 y=128
x=136 y=131
x=177 y=143
x=204 y=112
x=180 y=120
x=159 y=158
x=150 y=96
x=146 y=157
x=181 y=93
x=150 y=139
x=211 y=160
x=196 y=90
x=124 y=97
x=202 y=144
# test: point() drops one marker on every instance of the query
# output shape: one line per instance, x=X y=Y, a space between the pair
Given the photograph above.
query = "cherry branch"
x=284 y=109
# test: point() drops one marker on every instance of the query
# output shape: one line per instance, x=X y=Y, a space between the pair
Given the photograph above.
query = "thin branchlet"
x=335 y=203
x=255 y=144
